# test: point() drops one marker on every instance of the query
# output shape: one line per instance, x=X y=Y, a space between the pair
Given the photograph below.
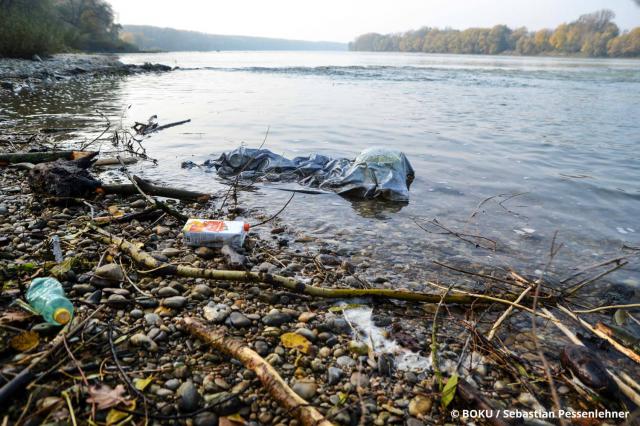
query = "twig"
x=593 y=266
x=275 y=215
x=607 y=308
x=506 y=314
x=573 y=289
x=71 y=412
x=460 y=235
x=553 y=251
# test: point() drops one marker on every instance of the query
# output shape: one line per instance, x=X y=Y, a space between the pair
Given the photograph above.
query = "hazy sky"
x=342 y=20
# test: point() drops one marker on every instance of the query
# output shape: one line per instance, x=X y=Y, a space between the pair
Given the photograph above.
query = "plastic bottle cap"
x=247 y=227
x=62 y=316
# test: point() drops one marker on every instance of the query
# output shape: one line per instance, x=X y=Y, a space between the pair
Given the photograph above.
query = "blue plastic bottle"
x=46 y=296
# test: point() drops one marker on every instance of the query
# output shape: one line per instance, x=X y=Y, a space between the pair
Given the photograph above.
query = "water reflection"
x=377 y=209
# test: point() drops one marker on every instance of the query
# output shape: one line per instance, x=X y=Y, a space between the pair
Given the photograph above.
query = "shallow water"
x=563 y=133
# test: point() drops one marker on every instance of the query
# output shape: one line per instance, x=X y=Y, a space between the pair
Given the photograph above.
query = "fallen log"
x=271 y=380
x=151 y=189
x=42 y=157
x=293 y=285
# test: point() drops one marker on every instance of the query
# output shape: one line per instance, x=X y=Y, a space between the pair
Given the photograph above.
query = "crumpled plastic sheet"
x=375 y=173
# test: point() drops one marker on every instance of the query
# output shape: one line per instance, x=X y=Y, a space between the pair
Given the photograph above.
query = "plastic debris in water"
x=361 y=319
x=57 y=250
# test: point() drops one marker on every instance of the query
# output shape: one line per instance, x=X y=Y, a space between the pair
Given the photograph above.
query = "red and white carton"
x=215 y=233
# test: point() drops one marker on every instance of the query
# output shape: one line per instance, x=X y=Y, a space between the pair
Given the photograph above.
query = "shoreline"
x=25 y=75
x=344 y=374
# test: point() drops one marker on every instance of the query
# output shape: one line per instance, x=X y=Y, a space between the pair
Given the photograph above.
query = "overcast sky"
x=343 y=20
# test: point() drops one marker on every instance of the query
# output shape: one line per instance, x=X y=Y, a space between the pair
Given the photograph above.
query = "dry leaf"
x=25 y=341
x=296 y=341
x=105 y=397
x=115 y=211
x=116 y=416
x=232 y=420
x=141 y=384
x=14 y=316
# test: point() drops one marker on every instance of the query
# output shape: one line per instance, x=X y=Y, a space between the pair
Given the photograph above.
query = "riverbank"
x=18 y=75
x=358 y=360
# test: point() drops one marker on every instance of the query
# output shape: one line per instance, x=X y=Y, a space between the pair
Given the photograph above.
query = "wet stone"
x=276 y=318
x=110 y=272
x=172 y=384
x=206 y=419
x=152 y=319
x=216 y=313
x=238 y=320
x=175 y=302
x=117 y=300
x=189 y=398
x=261 y=347
x=305 y=389
x=168 y=292
x=94 y=297
x=334 y=375
x=345 y=362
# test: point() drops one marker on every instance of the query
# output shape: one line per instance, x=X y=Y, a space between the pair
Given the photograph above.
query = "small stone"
x=328 y=260
x=276 y=318
x=110 y=272
x=334 y=375
x=238 y=320
x=359 y=348
x=324 y=352
x=261 y=347
x=175 y=302
x=189 y=398
x=338 y=325
x=306 y=333
x=306 y=317
x=265 y=417
x=203 y=290
x=161 y=230
x=138 y=204
x=420 y=406
x=171 y=252
x=345 y=362
x=172 y=384
x=152 y=319
x=144 y=341
x=168 y=292
x=94 y=297
x=206 y=419
x=563 y=390
x=267 y=267
x=204 y=253
x=359 y=379
x=305 y=389
x=216 y=313
x=117 y=300
x=136 y=313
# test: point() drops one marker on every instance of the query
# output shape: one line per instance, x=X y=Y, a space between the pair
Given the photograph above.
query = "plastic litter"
x=405 y=360
x=375 y=173
x=215 y=233
x=47 y=298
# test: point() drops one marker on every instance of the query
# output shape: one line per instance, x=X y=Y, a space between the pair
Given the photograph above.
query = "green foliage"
x=449 y=390
x=29 y=27
x=593 y=34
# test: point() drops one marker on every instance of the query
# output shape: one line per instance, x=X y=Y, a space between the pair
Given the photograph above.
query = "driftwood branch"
x=41 y=157
x=271 y=380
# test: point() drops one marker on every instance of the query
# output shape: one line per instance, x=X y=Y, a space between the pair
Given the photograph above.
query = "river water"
x=555 y=141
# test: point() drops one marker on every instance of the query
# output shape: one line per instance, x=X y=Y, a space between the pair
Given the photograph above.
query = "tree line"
x=29 y=27
x=592 y=35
